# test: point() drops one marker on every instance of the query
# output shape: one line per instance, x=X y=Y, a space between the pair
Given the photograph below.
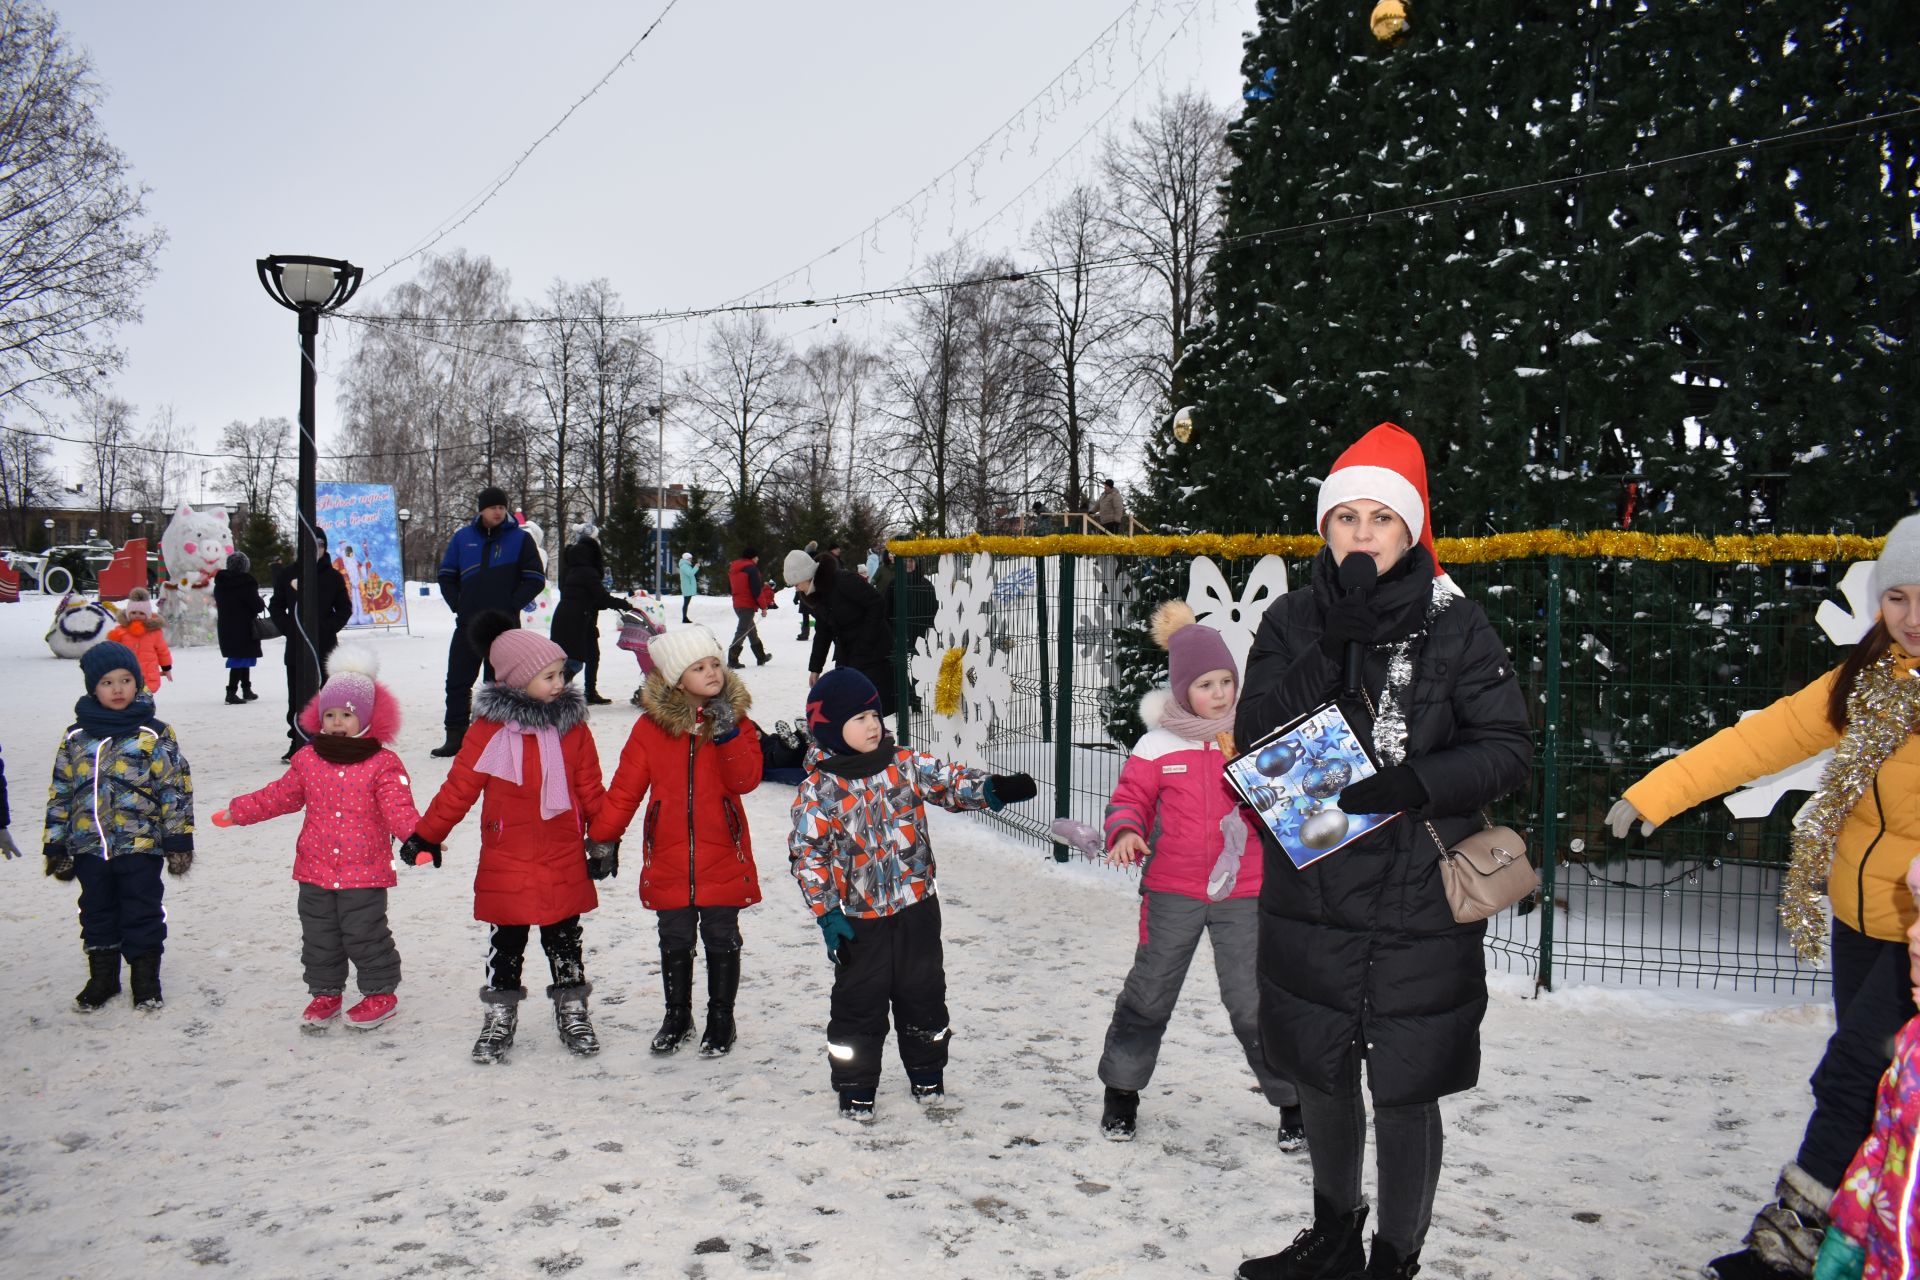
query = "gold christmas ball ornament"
x=1183 y=425
x=1389 y=22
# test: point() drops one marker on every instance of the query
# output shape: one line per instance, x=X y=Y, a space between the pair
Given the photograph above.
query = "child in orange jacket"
x=145 y=634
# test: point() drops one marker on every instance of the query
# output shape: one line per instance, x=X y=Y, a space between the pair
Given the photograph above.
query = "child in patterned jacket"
x=358 y=801
x=860 y=852
x=1875 y=1228
x=1174 y=810
x=120 y=804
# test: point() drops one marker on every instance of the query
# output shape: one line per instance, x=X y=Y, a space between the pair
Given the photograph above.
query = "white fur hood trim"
x=1154 y=706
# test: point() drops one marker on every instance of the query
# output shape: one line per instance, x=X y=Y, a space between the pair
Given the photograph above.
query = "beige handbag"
x=1485 y=873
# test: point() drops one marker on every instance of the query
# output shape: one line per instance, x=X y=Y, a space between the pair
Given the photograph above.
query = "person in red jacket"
x=697 y=752
x=745 y=581
x=358 y=801
x=145 y=634
x=529 y=750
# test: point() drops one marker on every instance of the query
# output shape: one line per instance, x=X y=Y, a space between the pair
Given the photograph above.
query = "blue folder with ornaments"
x=1292 y=780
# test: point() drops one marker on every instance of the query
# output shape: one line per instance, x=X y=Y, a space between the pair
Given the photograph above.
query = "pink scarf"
x=1183 y=723
x=502 y=758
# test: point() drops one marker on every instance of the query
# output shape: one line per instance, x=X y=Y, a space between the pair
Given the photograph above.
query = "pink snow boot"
x=321 y=1011
x=373 y=1011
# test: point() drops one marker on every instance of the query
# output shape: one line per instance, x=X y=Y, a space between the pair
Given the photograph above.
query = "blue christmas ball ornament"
x=1326 y=780
x=1274 y=760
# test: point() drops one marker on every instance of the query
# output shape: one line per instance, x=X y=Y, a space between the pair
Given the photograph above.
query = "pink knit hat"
x=518 y=656
x=350 y=673
x=1192 y=650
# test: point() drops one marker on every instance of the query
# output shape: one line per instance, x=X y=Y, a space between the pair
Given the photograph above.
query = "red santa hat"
x=1387 y=466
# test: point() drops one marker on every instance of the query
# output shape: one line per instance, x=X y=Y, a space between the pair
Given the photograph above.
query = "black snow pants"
x=893 y=962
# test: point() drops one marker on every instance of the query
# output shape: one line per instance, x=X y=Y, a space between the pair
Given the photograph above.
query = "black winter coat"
x=236 y=601
x=336 y=607
x=576 y=619
x=855 y=625
x=1359 y=951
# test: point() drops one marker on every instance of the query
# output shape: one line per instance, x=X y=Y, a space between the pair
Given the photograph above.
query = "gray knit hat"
x=1899 y=562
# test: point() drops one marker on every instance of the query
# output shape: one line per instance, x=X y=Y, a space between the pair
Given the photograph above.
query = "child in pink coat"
x=1173 y=809
x=358 y=801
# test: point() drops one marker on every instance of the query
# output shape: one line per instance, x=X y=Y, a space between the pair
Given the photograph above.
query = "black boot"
x=103 y=981
x=1120 y=1113
x=1785 y=1238
x=676 y=975
x=1387 y=1263
x=499 y=1020
x=246 y=686
x=1293 y=1130
x=723 y=984
x=233 y=687
x=1748 y=1265
x=1330 y=1249
x=451 y=747
x=570 y=1016
x=145 y=973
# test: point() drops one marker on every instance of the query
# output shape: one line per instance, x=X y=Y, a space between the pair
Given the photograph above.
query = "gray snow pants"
x=1170 y=929
x=338 y=925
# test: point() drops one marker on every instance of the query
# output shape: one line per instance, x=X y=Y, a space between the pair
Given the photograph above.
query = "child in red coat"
x=358 y=801
x=530 y=752
x=696 y=750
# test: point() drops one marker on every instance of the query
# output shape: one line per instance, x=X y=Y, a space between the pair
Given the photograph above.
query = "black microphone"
x=1358 y=573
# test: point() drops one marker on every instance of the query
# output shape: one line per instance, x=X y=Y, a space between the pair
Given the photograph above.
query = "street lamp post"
x=660 y=503
x=405 y=515
x=309 y=287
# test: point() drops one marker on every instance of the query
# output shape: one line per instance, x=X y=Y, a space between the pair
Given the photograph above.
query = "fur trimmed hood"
x=1154 y=706
x=503 y=703
x=386 y=715
x=669 y=706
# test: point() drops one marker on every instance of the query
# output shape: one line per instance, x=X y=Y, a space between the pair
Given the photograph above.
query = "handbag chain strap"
x=1486 y=821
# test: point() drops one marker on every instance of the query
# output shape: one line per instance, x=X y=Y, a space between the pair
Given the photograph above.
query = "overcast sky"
x=743 y=139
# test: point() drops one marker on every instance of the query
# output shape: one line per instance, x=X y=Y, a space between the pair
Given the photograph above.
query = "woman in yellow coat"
x=1855 y=844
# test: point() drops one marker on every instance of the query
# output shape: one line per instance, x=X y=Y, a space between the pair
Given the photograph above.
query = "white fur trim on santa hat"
x=1380 y=484
x=674 y=651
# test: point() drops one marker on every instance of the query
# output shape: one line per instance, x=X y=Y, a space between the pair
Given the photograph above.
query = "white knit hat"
x=674 y=651
x=798 y=567
x=1899 y=562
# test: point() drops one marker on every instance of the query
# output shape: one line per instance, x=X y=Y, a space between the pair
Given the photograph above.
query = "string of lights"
x=134 y=447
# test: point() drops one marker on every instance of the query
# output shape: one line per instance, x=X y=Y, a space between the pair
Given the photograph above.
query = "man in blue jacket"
x=491 y=564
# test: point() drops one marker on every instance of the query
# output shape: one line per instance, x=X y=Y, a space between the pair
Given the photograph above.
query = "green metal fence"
x=1624 y=662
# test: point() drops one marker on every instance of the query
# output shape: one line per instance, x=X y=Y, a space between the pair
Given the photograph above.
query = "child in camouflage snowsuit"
x=860 y=851
x=120 y=803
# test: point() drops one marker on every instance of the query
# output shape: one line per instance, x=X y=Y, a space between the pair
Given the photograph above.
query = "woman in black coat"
x=854 y=623
x=236 y=603
x=1360 y=957
x=576 y=619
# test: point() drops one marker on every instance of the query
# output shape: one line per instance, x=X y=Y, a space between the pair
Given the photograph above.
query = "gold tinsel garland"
x=1598 y=544
x=946 y=689
x=1883 y=711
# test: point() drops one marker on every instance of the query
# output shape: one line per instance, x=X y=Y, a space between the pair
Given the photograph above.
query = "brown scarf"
x=335 y=749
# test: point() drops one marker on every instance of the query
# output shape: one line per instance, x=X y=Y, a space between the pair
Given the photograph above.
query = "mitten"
x=603 y=859
x=414 y=851
x=60 y=866
x=1349 y=618
x=166 y=673
x=1081 y=837
x=717 y=713
x=837 y=933
x=7 y=847
x=1841 y=1257
x=1004 y=789
x=179 y=862
x=1392 y=790
x=222 y=818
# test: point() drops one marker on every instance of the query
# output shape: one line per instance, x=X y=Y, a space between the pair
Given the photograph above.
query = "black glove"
x=603 y=859
x=60 y=866
x=1392 y=790
x=179 y=862
x=1349 y=618
x=414 y=846
x=1009 y=788
x=718 y=714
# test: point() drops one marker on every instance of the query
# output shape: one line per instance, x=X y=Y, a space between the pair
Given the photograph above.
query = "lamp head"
x=302 y=283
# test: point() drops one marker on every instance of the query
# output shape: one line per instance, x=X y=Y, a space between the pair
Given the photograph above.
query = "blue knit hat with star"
x=836 y=698
x=110 y=655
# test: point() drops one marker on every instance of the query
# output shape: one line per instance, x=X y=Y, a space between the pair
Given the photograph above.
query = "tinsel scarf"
x=1390 y=722
x=1882 y=713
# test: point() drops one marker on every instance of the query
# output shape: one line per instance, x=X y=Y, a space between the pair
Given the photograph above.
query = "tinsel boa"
x=1390 y=722
x=1882 y=713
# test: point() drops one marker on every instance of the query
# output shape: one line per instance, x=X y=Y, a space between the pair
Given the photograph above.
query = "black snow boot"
x=1119 y=1115
x=500 y=1019
x=570 y=1016
x=233 y=687
x=145 y=974
x=103 y=981
x=857 y=1104
x=723 y=984
x=1387 y=1262
x=1786 y=1235
x=451 y=747
x=1293 y=1130
x=676 y=975
x=1748 y=1265
x=246 y=686
x=1331 y=1249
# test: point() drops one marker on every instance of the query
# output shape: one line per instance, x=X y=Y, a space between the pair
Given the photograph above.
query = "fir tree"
x=626 y=536
x=697 y=533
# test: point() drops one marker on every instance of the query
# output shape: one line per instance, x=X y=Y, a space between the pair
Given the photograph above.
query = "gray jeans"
x=1171 y=928
x=338 y=925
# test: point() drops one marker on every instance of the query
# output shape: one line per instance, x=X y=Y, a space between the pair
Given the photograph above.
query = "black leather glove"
x=603 y=859
x=179 y=862
x=1349 y=618
x=60 y=866
x=1010 y=788
x=1392 y=790
x=414 y=847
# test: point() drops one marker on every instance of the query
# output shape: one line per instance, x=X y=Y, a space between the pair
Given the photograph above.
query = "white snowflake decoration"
x=1844 y=626
x=1213 y=602
x=1093 y=626
x=963 y=619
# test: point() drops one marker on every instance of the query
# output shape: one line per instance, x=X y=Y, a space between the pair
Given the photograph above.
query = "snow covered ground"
x=1614 y=1133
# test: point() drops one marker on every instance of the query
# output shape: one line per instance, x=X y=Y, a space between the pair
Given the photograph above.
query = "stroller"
x=637 y=628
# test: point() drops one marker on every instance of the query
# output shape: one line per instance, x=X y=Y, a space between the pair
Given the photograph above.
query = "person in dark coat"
x=491 y=566
x=336 y=608
x=576 y=620
x=1360 y=958
x=851 y=620
x=236 y=603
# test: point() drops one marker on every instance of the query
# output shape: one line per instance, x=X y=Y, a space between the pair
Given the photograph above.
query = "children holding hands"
x=696 y=751
x=860 y=851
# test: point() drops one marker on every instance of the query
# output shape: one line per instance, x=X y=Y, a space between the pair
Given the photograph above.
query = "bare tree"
x=257 y=462
x=623 y=387
x=1164 y=174
x=924 y=374
x=738 y=404
x=108 y=423
x=24 y=479
x=559 y=385
x=74 y=254
x=997 y=316
x=832 y=389
x=158 y=461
